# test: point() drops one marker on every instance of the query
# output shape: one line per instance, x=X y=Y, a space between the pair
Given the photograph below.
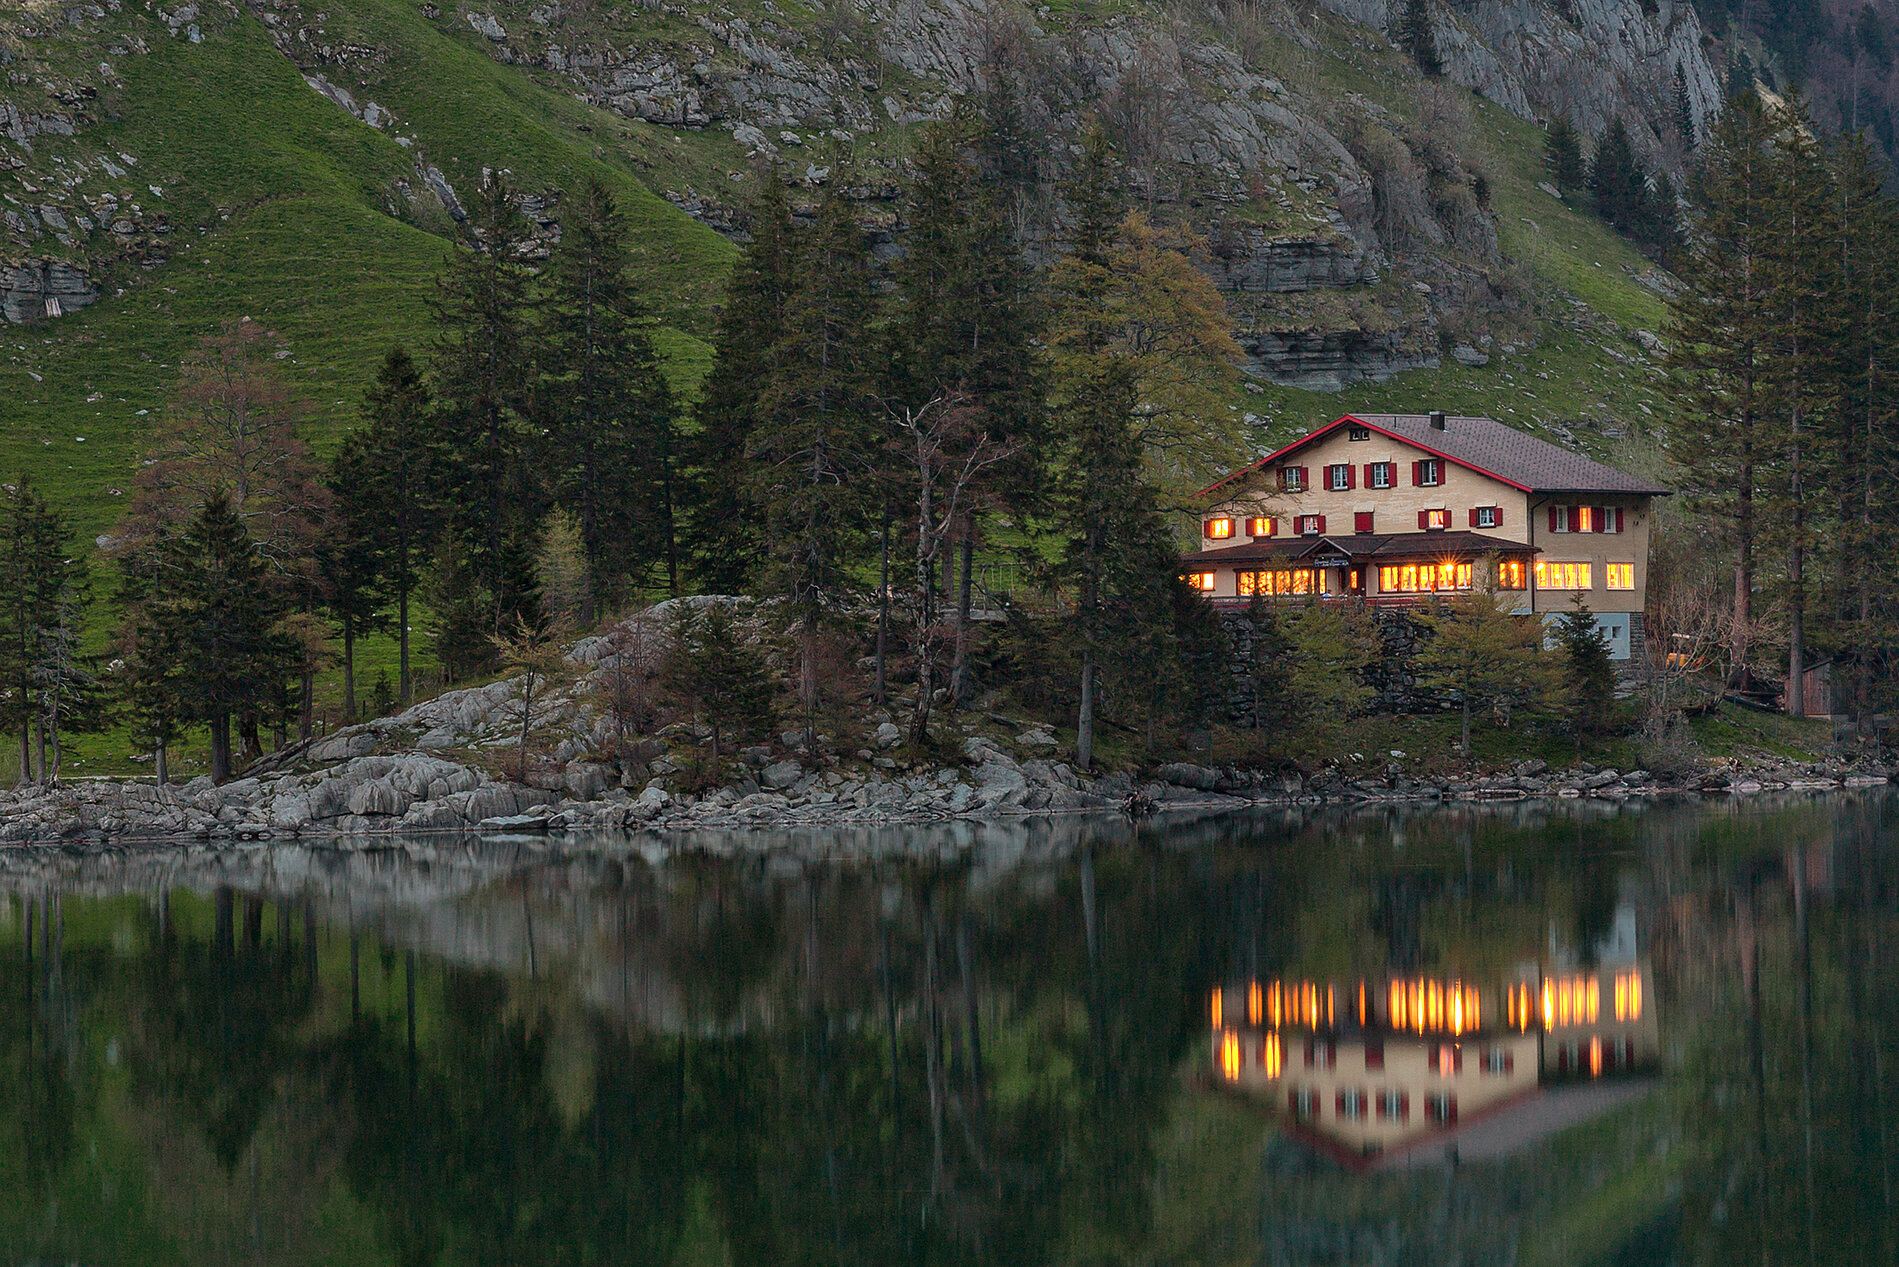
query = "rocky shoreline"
x=414 y=792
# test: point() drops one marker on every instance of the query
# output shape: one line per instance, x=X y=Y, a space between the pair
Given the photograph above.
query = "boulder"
x=781 y=775
x=586 y=780
x=377 y=798
x=1181 y=774
x=888 y=736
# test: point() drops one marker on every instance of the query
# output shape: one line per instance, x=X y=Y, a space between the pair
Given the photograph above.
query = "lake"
x=1542 y=1033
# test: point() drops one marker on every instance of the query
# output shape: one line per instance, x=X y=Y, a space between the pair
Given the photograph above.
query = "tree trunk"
x=252 y=746
x=306 y=707
x=959 y=668
x=1085 y=722
x=39 y=735
x=877 y=690
x=52 y=725
x=220 y=747
x=26 y=753
x=160 y=764
x=349 y=670
x=402 y=620
x=527 y=711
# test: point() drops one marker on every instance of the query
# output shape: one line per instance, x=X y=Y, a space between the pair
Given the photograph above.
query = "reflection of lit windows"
x=1595 y=1057
x=1219 y=529
x=1272 y=1055
x=1321 y=1054
x=1619 y=576
x=1351 y=1106
x=1447 y=1059
x=1563 y=576
x=1253 y=1001
x=1510 y=574
x=1628 y=996
x=1230 y=1055
x=1394 y=1106
x=1219 y=1008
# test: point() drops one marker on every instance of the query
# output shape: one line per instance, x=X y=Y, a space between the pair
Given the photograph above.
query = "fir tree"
x=1487 y=656
x=812 y=455
x=385 y=477
x=1417 y=38
x=1588 y=673
x=350 y=556
x=1563 y=156
x=724 y=529
x=71 y=696
x=709 y=663
x=1268 y=668
x=1684 y=110
x=605 y=407
x=35 y=577
x=488 y=483
x=204 y=596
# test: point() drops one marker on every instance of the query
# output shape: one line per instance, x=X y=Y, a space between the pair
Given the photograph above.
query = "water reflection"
x=1496 y=1034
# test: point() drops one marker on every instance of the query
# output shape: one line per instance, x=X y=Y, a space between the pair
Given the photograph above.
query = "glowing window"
x=1427 y=576
x=1308 y=525
x=1563 y=576
x=1510 y=574
x=1202 y=581
x=1437 y=519
x=1408 y=578
x=1260 y=526
x=1219 y=529
x=1619 y=576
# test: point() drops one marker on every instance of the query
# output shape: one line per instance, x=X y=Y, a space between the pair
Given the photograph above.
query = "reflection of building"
x=1369 y=1067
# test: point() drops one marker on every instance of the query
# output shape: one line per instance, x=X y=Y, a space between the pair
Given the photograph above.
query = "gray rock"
x=1466 y=355
x=377 y=799
x=781 y=775
x=514 y=822
x=586 y=780
x=888 y=736
x=1182 y=774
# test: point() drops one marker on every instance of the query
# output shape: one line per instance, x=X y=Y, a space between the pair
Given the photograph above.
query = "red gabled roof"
x=1483 y=445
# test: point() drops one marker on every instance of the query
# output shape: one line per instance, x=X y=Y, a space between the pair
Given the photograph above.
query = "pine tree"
x=350 y=555
x=709 y=663
x=1416 y=37
x=605 y=406
x=724 y=529
x=1268 y=668
x=72 y=698
x=35 y=577
x=386 y=477
x=1588 y=673
x=1684 y=110
x=1722 y=331
x=812 y=455
x=1563 y=156
x=488 y=482
x=204 y=595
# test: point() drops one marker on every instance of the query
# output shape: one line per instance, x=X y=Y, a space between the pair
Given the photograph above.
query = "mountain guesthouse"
x=1401 y=508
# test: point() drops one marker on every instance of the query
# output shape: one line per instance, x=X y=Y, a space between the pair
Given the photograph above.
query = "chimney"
x=1437 y=420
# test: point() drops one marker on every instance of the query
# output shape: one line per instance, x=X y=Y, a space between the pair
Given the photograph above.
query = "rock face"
x=36 y=289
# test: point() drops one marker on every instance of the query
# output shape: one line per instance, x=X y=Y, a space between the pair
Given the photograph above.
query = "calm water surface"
x=1523 y=1034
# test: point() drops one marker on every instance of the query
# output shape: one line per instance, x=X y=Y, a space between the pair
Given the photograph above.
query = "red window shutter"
x=1417 y=474
x=1321 y=528
x=1305 y=480
x=1351 y=476
x=1368 y=475
x=1424 y=519
x=1292 y=1100
x=1362 y=521
x=1374 y=1055
x=1553 y=527
x=1473 y=516
x=1618 y=519
x=1308 y=1053
x=1496 y=516
x=1601 y=517
x=1450 y=1109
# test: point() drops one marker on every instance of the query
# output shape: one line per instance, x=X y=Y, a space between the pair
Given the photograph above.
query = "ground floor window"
x=1619 y=576
x=1424 y=578
x=1563 y=576
x=1510 y=574
x=1202 y=581
x=1283 y=581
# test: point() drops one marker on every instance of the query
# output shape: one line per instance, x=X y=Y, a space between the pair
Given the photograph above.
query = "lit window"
x=1463 y=576
x=1485 y=517
x=1249 y=584
x=1430 y=474
x=1381 y=474
x=1202 y=581
x=1427 y=576
x=1219 y=529
x=1510 y=574
x=1563 y=576
x=1309 y=525
x=1260 y=526
x=1408 y=578
x=1438 y=519
x=1619 y=576
x=1338 y=477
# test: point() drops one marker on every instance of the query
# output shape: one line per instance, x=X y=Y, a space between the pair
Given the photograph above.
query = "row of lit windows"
x=1223 y=527
x=1424 y=578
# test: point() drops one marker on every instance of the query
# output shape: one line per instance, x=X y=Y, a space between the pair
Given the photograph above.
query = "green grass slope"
x=285 y=208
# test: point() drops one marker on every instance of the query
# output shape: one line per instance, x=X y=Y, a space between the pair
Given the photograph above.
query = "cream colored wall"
x=1394 y=509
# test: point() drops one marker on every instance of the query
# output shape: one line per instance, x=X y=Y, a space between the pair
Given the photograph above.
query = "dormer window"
x=1261 y=526
x=1219 y=529
x=1358 y=433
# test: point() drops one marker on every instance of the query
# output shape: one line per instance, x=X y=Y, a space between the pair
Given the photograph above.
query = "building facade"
x=1403 y=508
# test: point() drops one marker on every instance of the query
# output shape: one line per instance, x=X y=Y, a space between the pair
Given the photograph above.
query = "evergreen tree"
x=724 y=529
x=1684 y=110
x=36 y=582
x=1563 y=156
x=812 y=456
x=385 y=477
x=350 y=555
x=1268 y=668
x=1588 y=673
x=605 y=407
x=1617 y=180
x=1417 y=38
x=204 y=595
x=1331 y=648
x=1487 y=656
x=488 y=482
x=1723 y=330
x=709 y=662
